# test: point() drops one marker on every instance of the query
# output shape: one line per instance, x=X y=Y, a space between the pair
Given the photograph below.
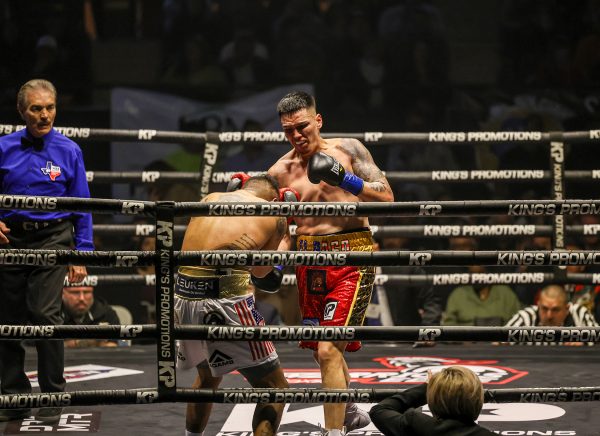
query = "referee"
x=36 y=161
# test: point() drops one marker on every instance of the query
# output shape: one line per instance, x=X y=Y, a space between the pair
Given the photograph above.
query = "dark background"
x=382 y=65
x=379 y=65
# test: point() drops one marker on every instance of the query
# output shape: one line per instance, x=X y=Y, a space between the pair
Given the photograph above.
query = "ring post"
x=557 y=167
x=211 y=152
x=165 y=281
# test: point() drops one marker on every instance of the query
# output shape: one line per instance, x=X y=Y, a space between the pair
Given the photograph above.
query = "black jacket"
x=397 y=416
x=99 y=313
x=407 y=300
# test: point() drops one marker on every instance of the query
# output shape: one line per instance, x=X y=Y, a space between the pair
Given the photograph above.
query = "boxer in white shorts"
x=237 y=309
x=225 y=297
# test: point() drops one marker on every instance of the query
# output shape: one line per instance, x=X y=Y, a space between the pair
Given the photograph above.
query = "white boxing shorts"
x=191 y=308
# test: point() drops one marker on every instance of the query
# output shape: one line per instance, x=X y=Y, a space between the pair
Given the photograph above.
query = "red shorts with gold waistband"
x=335 y=295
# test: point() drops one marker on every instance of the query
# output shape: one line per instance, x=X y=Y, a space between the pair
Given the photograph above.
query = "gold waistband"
x=200 y=271
x=349 y=241
x=198 y=283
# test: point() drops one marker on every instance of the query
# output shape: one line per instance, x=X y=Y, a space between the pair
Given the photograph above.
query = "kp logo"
x=329 y=311
x=164 y=233
x=130 y=331
x=132 y=207
x=430 y=209
x=125 y=261
x=146 y=397
x=419 y=258
x=429 y=334
x=51 y=170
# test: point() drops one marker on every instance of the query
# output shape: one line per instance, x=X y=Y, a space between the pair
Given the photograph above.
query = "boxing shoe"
x=334 y=432
x=355 y=417
x=14 y=414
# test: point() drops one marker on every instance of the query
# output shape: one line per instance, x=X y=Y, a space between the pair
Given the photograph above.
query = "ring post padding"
x=165 y=295
x=211 y=153
x=557 y=168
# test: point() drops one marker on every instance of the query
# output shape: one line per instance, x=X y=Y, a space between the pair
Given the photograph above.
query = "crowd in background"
x=381 y=65
x=379 y=55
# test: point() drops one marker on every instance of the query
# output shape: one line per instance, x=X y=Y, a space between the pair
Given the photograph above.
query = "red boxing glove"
x=288 y=194
x=238 y=180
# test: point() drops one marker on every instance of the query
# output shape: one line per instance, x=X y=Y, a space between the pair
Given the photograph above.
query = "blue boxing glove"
x=271 y=282
x=322 y=167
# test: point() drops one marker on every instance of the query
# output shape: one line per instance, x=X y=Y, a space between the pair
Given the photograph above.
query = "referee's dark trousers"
x=32 y=295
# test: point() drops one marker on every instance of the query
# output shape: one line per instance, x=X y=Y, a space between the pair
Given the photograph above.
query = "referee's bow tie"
x=36 y=143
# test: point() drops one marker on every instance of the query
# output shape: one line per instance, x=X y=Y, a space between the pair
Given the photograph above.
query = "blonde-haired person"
x=454 y=396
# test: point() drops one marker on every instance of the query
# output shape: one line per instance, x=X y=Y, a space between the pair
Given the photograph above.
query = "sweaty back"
x=228 y=232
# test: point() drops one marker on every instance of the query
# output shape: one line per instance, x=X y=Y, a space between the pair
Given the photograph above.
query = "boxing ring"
x=168 y=386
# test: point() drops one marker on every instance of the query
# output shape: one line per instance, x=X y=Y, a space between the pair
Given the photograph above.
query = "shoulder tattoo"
x=363 y=164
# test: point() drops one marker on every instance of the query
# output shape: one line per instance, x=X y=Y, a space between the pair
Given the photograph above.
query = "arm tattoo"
x=244 y=242
x=377 y=186
x=362 y=161
x=281 y=226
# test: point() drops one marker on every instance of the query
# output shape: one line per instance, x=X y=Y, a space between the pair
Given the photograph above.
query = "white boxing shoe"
x=355 y=417
x=324 y=432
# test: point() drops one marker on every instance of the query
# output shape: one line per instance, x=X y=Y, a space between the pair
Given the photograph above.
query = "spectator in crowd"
x=587 y=295
x=172 y=191
x=553 y=310
x=454 y=396
x=246 y=62
x=197 y=68
x=47 y=62
x=255 y=157
x=38 y=160
x=410 y=304
x=480 y=304
x=586 y=62
x=80 y=307
x=311 y=49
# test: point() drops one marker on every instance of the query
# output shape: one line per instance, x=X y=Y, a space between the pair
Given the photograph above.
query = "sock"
x=191 y=433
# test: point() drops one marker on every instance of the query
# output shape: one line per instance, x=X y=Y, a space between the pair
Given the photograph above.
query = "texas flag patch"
x=51 y=170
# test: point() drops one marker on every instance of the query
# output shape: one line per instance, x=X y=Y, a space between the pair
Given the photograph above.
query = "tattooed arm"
x=376 y=186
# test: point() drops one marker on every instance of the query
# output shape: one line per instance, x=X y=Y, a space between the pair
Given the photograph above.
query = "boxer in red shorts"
x=335 y=296
x=330 y=170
